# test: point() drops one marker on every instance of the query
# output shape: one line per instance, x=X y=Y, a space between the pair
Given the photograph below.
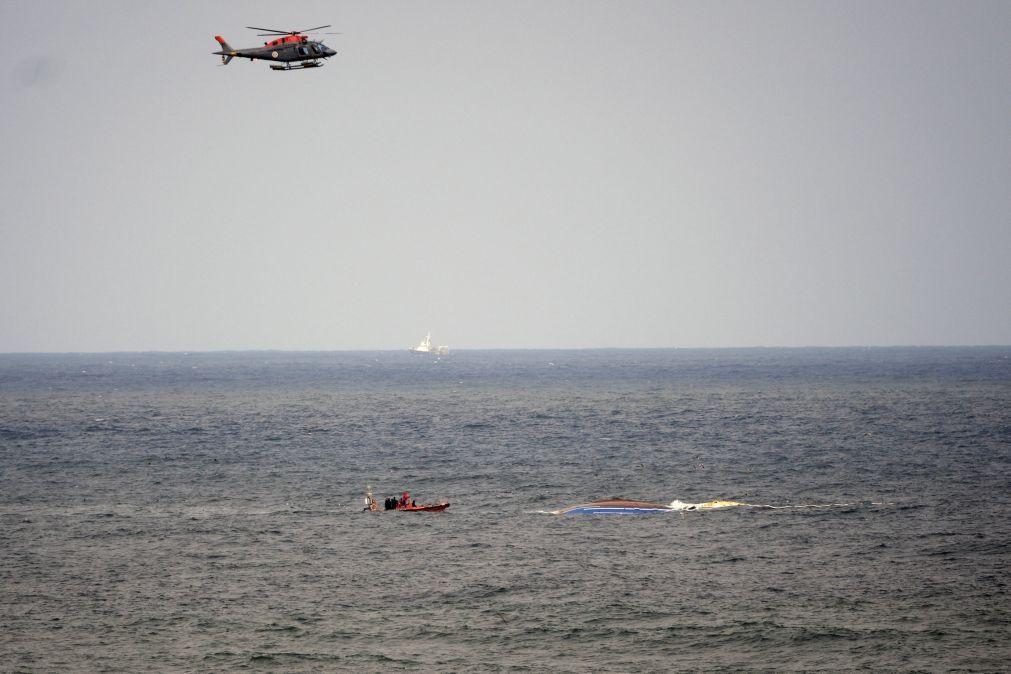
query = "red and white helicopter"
x=289 y=50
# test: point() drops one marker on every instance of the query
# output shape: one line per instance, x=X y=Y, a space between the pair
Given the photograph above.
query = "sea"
x=203 y=512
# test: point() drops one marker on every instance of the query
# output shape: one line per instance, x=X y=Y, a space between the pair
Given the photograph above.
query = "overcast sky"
x=506 y=174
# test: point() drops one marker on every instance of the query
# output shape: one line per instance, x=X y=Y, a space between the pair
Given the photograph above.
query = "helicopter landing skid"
x=300 y=66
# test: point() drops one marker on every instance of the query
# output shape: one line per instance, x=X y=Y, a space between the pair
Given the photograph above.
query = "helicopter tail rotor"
x=227 y=53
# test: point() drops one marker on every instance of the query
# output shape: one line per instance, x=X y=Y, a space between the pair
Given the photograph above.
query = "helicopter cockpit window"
x=315 y=49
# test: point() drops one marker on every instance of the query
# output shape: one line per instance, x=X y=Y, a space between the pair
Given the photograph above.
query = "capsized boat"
x=708 y=505
x=616 y=506
x=622 y=506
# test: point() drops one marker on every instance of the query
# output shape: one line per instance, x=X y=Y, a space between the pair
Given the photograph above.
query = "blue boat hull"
x=595 y=510
x=616 y=507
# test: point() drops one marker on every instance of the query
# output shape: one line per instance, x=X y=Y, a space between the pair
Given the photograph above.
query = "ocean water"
x=202 y=512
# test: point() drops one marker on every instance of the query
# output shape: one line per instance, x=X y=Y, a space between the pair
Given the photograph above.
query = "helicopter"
x=287 y=48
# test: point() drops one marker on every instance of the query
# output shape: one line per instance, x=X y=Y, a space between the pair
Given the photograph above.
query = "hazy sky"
x=506 y=174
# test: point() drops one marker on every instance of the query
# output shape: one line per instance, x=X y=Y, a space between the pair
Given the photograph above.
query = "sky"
x=528 y=174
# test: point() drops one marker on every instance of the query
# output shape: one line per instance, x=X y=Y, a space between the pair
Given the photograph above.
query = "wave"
x=621 y=506
x=720 y=504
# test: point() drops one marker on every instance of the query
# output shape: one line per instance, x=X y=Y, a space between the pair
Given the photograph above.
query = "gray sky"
x=506 y=174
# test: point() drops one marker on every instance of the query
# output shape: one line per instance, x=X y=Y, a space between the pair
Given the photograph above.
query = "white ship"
x=426 y=347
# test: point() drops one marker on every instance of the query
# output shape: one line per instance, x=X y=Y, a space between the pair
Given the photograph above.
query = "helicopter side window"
x=315 y=49
x=302 y=51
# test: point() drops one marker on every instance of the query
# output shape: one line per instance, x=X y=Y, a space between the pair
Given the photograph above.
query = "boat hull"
x=616 y=507
x=426 y=508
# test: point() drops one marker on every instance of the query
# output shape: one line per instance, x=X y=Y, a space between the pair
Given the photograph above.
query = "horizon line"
x=532 y=348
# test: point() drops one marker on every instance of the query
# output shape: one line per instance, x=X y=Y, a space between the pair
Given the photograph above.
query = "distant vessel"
x=426 y=347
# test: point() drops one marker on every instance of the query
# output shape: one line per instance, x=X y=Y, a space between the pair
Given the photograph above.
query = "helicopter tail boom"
x=225 y=58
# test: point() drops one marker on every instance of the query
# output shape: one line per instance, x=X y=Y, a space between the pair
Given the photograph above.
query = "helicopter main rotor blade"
x=272 y=30
x=287 y=32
